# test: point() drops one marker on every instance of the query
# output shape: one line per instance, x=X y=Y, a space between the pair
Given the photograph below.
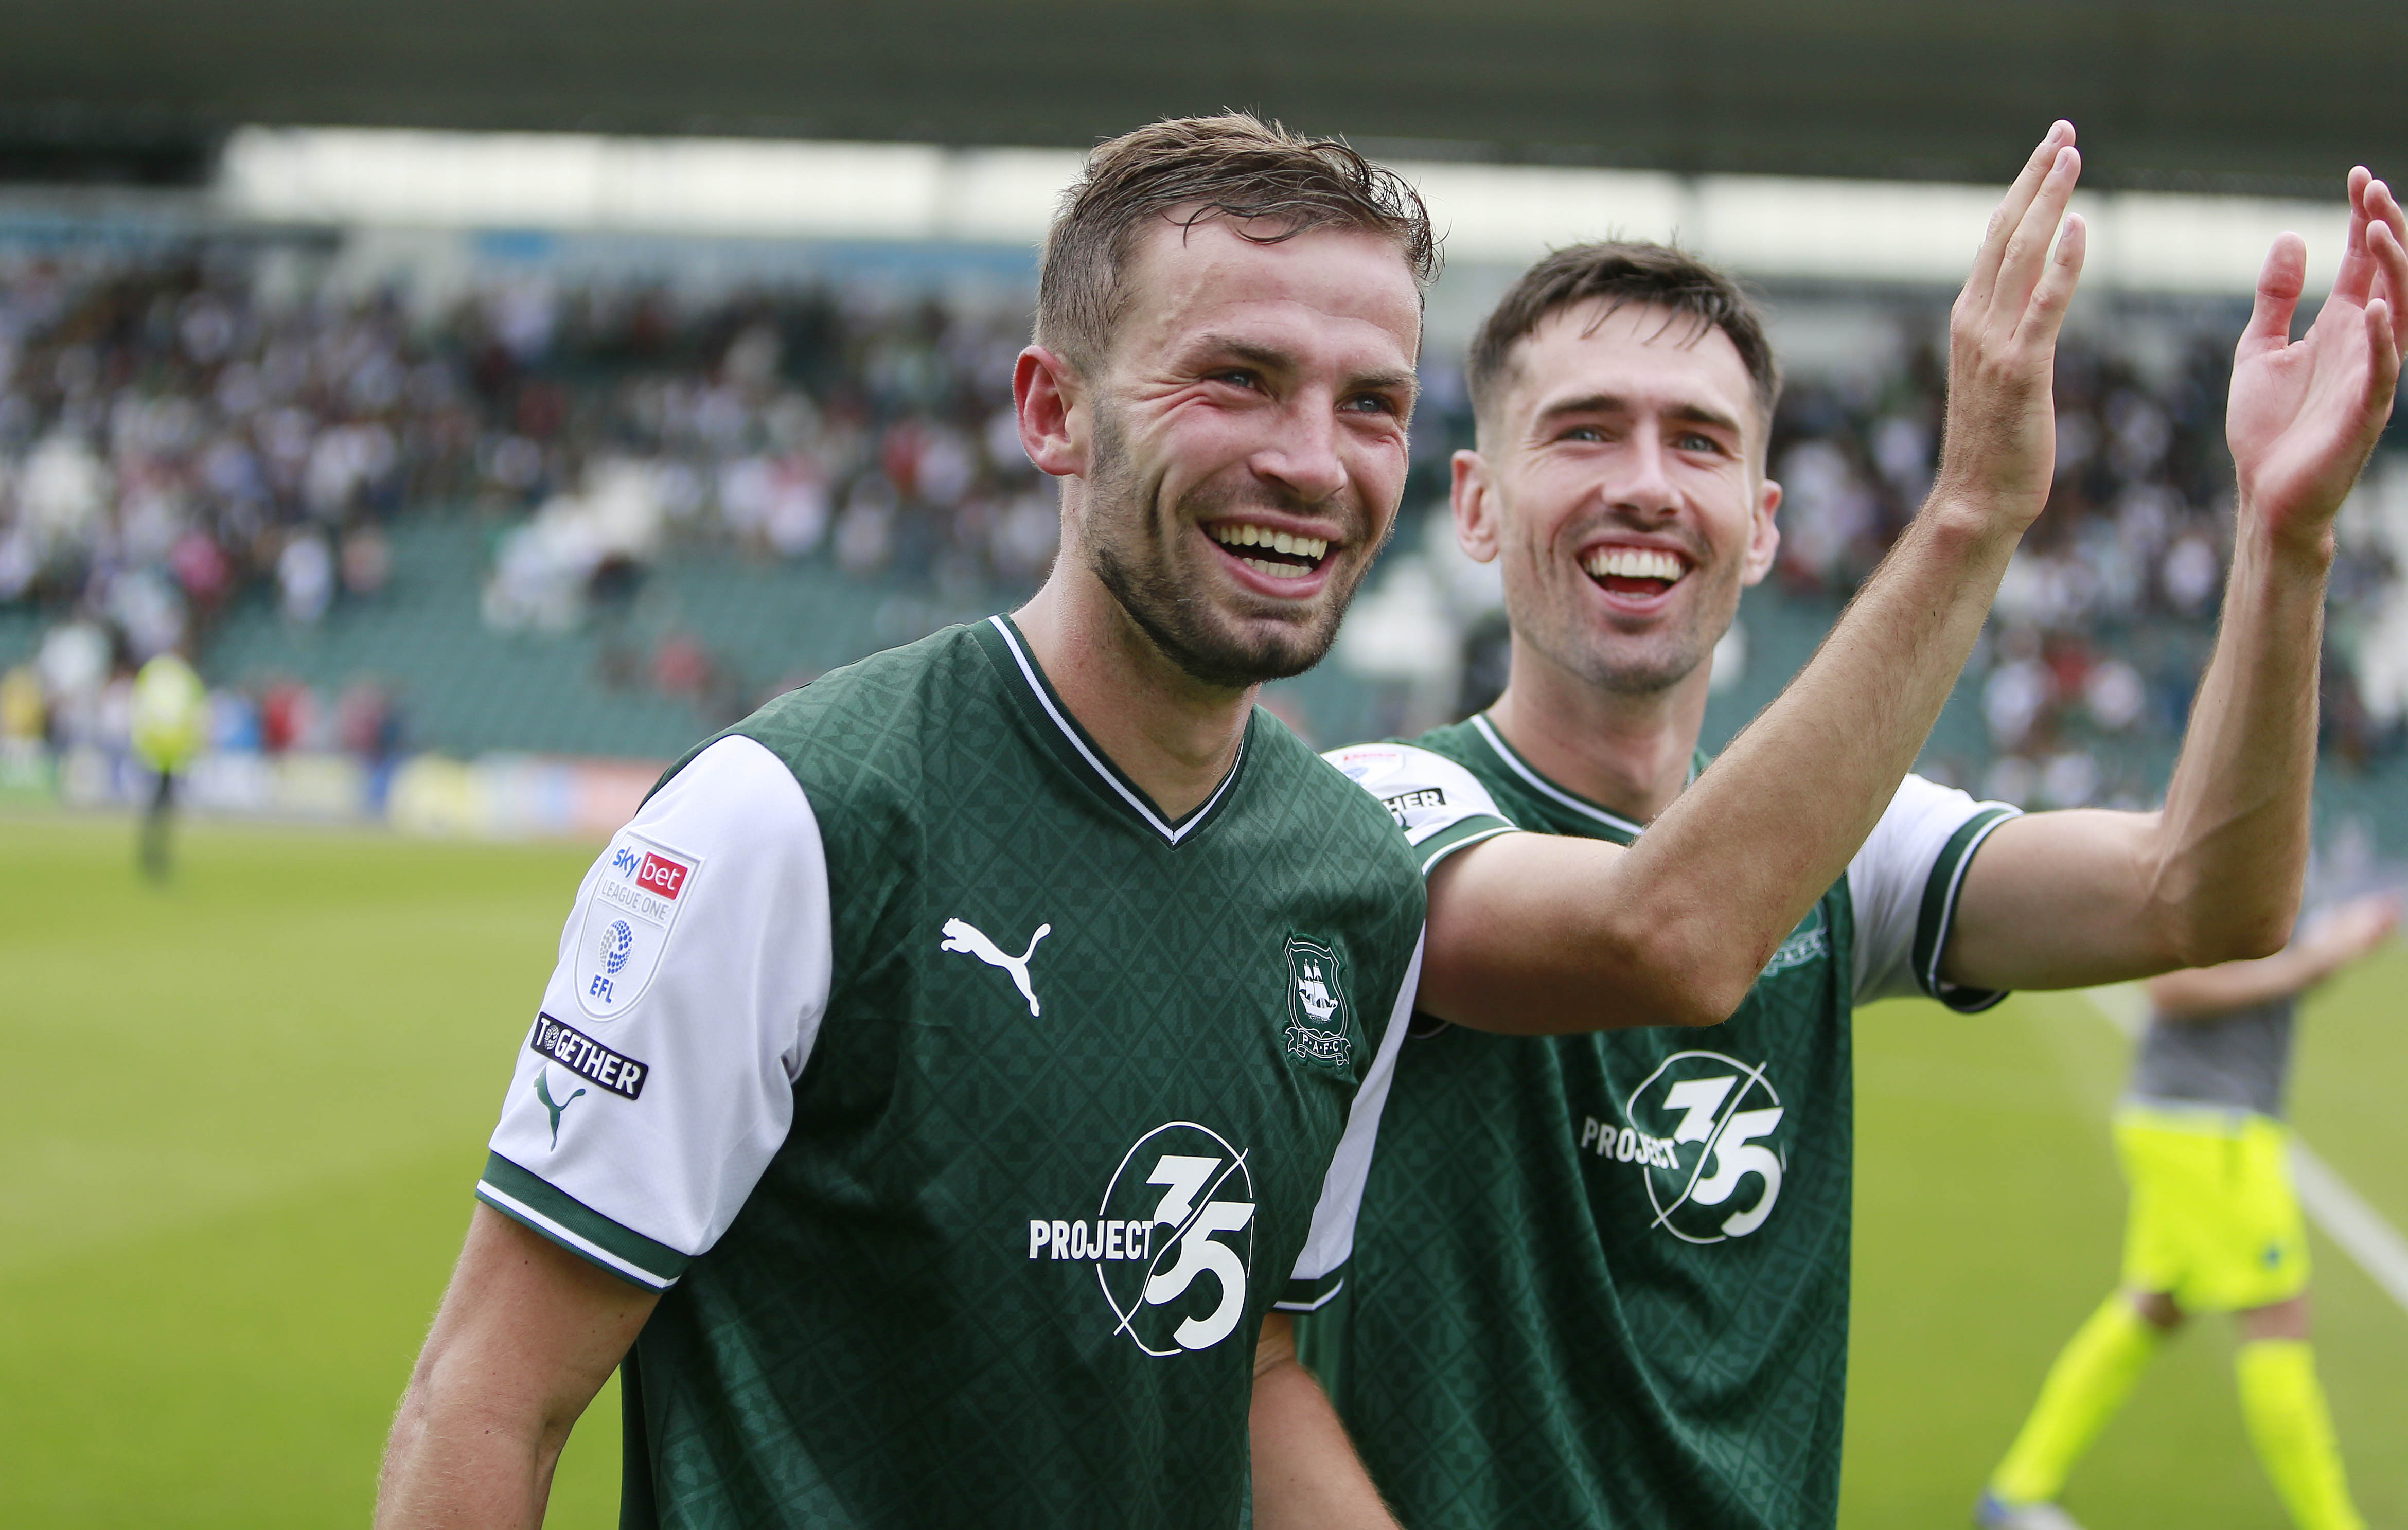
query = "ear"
x=1763 y=535
x=1047 y=398
x=1473 y=495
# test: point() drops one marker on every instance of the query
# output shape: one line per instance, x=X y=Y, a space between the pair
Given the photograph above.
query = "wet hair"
x=1621 y=273
x=1271 y=185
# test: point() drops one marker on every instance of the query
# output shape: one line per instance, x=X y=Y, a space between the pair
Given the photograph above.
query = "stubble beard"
x=1131 y=545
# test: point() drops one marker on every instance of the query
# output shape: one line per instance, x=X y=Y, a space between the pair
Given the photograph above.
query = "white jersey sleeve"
x=1440 y=806
x=1904 y=885
x=657 y=1080
x=1320 y=1270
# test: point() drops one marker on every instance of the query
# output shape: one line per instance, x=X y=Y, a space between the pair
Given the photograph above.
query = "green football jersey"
x=1602 y=1279
x=971 y=1114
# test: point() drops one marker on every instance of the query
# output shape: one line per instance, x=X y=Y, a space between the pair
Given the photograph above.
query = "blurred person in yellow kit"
x=170 y=723
x=2214 y=1227
x=23 y=713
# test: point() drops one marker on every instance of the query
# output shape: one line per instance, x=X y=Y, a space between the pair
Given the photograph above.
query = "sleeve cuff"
x=533 y=1202
x=1456 y=835
x=1310 y=1294
x=1937 y=916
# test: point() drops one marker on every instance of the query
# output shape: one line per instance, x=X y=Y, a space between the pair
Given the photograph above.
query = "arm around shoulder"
x=1536 y=935
x=528 y=1333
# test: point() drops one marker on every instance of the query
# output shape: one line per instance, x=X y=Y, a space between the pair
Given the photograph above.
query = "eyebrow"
x=1272 y=359
x=1695 y=414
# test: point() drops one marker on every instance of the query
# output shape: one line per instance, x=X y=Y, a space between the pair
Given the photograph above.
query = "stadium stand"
x=579 y=516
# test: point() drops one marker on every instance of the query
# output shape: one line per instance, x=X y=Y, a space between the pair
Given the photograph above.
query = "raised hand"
x=2305 y=413
x=2000 y=446
x=2357 y=927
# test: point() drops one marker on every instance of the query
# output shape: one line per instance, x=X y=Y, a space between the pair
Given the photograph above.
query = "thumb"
x=2279 y=283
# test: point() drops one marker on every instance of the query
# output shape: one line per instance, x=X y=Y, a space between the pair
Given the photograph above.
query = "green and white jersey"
x=971 y=1114
x=1604 y=1279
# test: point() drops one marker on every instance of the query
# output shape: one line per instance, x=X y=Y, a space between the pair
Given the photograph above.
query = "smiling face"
x=1620 y=488
x=1246 y=442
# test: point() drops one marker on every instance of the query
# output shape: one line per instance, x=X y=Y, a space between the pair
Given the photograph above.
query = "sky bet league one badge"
x=627 y=921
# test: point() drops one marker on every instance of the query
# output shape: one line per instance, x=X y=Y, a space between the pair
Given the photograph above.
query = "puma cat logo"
x=962 y=936
x=544 y=1093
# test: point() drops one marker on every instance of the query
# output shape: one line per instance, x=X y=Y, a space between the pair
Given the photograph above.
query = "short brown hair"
x=1620 y=273
x=1234 y=165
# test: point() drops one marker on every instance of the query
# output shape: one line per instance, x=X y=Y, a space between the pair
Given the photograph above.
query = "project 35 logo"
x=1704 y=1130
x=1172 y=1243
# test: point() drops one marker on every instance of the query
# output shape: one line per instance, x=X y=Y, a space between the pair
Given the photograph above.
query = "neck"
x=1169 y=733
x=1630 y=752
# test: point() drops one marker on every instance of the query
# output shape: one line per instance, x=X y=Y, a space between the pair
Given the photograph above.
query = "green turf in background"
x=244 y=1114
x=1990 y=1220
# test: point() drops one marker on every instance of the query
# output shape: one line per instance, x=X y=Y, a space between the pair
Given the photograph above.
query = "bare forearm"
x=453 y=1464
x=2060 y=899
x=2301 y=419
x=1307 y=1476
x=1775 y=821
x=526 y=1335
x=2234 y=832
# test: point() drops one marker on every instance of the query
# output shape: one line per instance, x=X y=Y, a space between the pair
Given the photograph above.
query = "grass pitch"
x=1989 y=1223
x=245 y=1111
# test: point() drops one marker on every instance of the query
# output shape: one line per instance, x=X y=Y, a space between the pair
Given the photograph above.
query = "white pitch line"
x=2339 y=1212
x=2348 y=1221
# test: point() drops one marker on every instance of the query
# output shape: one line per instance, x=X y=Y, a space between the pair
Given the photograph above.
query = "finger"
x=2027 y=252
x=2279 y=281
x=2009 y=211
x=2383 y=207
x=2354 y=278
x=2046 y=314
x=2383 y=381
x=2386 y=235
x=2391 y=278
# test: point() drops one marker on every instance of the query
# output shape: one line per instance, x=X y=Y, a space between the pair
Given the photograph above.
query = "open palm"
x=2304 y=413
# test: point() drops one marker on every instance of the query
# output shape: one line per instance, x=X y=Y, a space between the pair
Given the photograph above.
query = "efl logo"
x=661 y=876
x=635 y=901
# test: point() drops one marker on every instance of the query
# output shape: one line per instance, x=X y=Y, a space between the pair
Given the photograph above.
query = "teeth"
x=1633 y=562
x=1277 y=541
x=1277 y=571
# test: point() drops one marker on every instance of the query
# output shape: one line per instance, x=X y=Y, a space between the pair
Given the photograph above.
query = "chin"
x=1637 y=669
x=1235 y=651
x=1273 y=652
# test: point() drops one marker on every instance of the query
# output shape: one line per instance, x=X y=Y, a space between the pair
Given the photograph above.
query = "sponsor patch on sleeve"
x=589 y=1059
x=1368 y=763
x=1424 y=793
x=628 y=918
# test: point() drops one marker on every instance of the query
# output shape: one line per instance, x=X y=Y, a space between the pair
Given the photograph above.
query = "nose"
x=1639 y=483
x=1302 y=456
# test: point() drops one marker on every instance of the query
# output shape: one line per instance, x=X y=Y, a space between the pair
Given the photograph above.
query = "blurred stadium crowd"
x=181 y=440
